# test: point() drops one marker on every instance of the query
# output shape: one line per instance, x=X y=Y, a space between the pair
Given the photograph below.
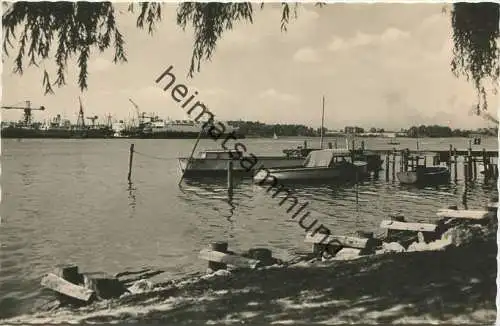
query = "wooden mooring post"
x=405 y=162
x=455 y=163
x=448 y=162
x=230 y=175
x=474 y=166
x=219 y=247
x=131 y=157
x=466 y=170
x=486 y=164
x=394 y=163
x=387 y=158
x=469 y=162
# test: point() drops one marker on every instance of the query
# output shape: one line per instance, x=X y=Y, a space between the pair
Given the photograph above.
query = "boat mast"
x=322 y=124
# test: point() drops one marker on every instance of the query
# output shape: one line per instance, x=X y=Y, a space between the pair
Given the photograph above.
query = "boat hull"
x=12 y=132
x=427 y=175
x=217 y=167
x=311 y=175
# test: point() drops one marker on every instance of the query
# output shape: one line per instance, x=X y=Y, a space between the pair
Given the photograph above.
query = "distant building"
x=353 y=130
x=401 y=134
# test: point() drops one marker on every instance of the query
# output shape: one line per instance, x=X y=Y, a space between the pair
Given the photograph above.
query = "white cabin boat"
x=215 y=162
x=320 y=165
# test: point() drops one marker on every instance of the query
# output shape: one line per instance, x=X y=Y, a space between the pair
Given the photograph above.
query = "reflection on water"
x=131 y=195
x=213 y=189
x=230 y=194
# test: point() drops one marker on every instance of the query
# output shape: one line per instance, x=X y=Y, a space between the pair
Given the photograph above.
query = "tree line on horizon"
x=444 y=131
x=260 y=129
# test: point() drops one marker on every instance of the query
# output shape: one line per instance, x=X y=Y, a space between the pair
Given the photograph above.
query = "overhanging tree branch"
x=475 y=53
x=79 y=27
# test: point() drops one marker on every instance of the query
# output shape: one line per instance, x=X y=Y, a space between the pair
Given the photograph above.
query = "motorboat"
x=424 y=175
x=215 y=162
x=320 y=165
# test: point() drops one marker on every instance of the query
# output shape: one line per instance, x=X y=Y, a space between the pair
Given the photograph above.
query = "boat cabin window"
x=222 y=155
x=340 y=159
x=327 y=158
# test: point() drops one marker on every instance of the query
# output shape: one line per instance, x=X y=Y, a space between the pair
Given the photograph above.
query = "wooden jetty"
x=469 y=159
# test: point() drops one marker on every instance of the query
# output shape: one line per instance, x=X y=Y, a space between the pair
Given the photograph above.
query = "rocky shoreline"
x=452 y=283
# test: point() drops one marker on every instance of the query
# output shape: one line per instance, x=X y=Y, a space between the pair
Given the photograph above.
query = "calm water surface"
x=69 y=201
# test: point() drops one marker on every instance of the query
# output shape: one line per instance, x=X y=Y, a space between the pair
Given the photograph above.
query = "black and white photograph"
x=260 y=163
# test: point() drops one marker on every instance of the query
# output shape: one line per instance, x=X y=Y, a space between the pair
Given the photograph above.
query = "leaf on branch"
x=46 y=83
x=150 y=13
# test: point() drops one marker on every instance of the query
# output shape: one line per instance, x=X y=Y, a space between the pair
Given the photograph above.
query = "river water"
x=68 y=201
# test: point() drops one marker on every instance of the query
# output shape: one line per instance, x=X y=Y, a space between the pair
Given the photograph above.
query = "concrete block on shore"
x=67 y=291
x=141 y=286
x=227 y=259
x=388 y=247
x=105 y=286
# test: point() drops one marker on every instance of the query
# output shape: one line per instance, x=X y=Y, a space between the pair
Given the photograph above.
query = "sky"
x=378 y=65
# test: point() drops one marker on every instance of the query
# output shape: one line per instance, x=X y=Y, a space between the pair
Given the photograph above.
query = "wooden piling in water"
x=387 y=158
x=393 y=163
x=131 y=157
x=485 y=164
x=362 y=145
x=469 y=161
x=466 y=171
x=407 y=157
x=230 y=175
x=403 y=159
x=455 y=163
x=450 y=153
x=474 y=166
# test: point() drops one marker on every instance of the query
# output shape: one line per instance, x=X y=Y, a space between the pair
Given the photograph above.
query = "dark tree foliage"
x=475 y=35
x=70 y=29
x=77 y=28
x=259 y=129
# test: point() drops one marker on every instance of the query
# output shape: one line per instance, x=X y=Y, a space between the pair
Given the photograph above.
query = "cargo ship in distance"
x=152 y=126
x=56 y=128
x=158 y=128
x=148 y=127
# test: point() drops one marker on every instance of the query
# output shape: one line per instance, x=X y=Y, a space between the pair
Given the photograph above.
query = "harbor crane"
x=140 y=116
x=93 y=119
x=27 y=111
x=80 y=122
